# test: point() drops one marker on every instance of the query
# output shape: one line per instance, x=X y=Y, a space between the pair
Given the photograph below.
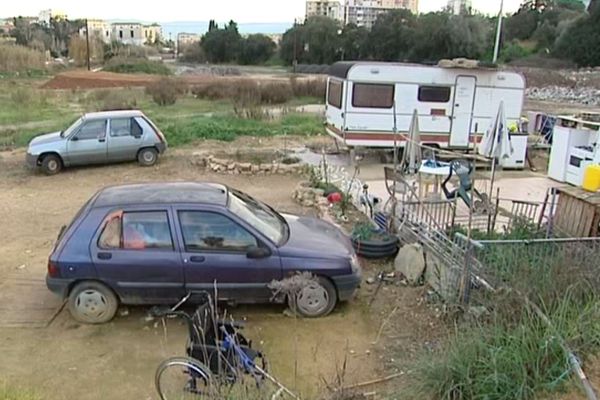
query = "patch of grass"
x=11 y=393
x=509 y=352
x=228 y=128
x=137 y=66
x=15 y=58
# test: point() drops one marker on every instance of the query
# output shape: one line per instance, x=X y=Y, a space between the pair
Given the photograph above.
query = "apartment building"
x=458 y=7
x=99 y=28
x=152 y=33
x=128 y=33
x=359 y=12
x=325 y=8
x=46 y=15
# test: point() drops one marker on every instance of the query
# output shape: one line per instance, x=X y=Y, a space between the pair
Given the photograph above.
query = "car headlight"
x=355 y=264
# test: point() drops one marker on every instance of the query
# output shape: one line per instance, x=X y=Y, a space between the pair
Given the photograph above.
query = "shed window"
x=434 y=94
x=367 y=95
x=334 y=93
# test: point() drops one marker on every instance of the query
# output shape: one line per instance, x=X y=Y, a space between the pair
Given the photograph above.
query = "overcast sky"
x=200 y=10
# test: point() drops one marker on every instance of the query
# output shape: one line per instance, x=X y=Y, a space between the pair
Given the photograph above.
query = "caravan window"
x=368 y=95
x=334 y=96
x=434 y=94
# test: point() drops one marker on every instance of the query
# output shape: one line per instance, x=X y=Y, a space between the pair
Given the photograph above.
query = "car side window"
x=136 y=231
x=208 y=231
x=92 y=130
x=121 y=127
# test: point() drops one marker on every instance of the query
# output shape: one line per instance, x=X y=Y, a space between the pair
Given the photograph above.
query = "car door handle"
x=197 y=259
x=104 y=256
x=102 y=140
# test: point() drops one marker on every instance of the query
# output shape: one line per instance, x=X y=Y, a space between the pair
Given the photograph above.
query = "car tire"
x=92 y=303
x=147 y=157
x=51 y=164
x=316 y=299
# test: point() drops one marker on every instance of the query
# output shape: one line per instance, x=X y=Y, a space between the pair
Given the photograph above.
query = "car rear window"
x=136 y=231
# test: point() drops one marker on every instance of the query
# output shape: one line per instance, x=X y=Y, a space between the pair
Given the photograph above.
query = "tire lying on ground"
x=376 y=248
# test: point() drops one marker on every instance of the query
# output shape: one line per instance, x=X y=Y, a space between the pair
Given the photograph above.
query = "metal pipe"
x=498 y=33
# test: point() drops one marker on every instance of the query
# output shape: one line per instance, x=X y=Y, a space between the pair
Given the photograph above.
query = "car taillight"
x=53 y=270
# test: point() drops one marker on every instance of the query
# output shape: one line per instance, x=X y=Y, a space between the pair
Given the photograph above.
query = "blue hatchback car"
x=153 y=243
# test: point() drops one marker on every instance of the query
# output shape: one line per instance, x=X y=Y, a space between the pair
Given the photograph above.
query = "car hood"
x=315 y=238
x=46 y=138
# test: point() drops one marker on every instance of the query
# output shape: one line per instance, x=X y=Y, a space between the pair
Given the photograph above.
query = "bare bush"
x=309 y=87
x=14 y=58
x=165 y=91
x=275 y=93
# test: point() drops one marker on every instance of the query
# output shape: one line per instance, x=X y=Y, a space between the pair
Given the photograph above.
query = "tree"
x=594 y=6
x=393 y=36
x=222 y=45
x=579 y=42
x=315 y=42
x=256 y=49
x=354 y=44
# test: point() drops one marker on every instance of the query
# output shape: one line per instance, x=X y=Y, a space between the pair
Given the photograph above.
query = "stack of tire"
x=385 y=247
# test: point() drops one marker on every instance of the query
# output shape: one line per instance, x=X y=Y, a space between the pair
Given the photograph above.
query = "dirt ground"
x=68 y=360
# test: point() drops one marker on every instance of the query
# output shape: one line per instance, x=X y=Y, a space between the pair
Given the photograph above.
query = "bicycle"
x=216 y=354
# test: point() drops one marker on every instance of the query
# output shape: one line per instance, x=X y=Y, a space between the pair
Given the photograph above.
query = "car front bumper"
x=31 y=160
x=347 y=285
x=58 y=286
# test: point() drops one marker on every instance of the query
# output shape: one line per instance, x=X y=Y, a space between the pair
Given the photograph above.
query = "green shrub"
x=137 y=66
x=165 y=91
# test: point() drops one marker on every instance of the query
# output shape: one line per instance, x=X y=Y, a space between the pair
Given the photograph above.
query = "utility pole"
x=295 y=61
x=87 y=42
x=498 y=33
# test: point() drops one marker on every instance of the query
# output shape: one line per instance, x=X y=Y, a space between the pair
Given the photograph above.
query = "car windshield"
x=259 y=215
x=71 y=128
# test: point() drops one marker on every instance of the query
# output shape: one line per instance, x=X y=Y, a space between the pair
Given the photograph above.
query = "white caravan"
x=455 y=105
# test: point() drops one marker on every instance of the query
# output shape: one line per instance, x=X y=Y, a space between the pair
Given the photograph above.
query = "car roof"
x=113 y=114
x=161 y=193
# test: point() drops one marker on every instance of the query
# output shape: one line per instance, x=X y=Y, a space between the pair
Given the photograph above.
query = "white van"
x=455 y=105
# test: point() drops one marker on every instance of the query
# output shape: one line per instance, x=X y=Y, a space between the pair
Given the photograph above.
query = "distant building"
x=325 y=8
x=99 y=29
x=152 y=33
x=6 y=25
x=46 y=15
x=359 y=12
x=458 y=7
x=184 y=38
x=128 y=33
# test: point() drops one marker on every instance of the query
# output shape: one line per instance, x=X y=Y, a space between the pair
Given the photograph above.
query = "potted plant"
x=371 y=242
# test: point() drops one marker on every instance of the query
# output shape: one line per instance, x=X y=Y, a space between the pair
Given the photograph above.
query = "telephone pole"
x=498 y=33
x=87 y=43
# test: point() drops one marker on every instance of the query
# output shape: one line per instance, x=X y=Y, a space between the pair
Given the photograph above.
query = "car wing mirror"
x=256 y=252
x=74 y=139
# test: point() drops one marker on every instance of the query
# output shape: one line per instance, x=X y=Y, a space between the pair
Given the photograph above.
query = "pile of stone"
x=233 y=167
x=561 y=94
x=308 y=196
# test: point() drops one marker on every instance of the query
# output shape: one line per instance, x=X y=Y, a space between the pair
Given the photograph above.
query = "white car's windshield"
x=71 y=128
x=260 y=216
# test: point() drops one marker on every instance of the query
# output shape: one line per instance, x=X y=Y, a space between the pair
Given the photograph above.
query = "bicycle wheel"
x=183 y=378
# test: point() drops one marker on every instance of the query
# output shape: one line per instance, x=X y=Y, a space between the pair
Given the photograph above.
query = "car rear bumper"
x=31 y=161
x=346 y=285
x=58 y=286
x=162 y=147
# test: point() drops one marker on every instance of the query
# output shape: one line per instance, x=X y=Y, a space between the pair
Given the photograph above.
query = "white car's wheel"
x=147 y=157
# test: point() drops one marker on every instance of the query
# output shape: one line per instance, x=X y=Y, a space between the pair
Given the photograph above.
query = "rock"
x=371 y=281
x=231 y=167
x=444 y=281
x=410 y=262
x=124 y=312
x=254 y=169
x=245 y=167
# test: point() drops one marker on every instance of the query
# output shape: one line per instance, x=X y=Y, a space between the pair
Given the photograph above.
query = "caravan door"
x=462 y=113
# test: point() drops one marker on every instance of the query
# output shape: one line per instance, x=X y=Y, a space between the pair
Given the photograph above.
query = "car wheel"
x=92 y=303
x=51 y=164
x=147 y=157
x=316 y=299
